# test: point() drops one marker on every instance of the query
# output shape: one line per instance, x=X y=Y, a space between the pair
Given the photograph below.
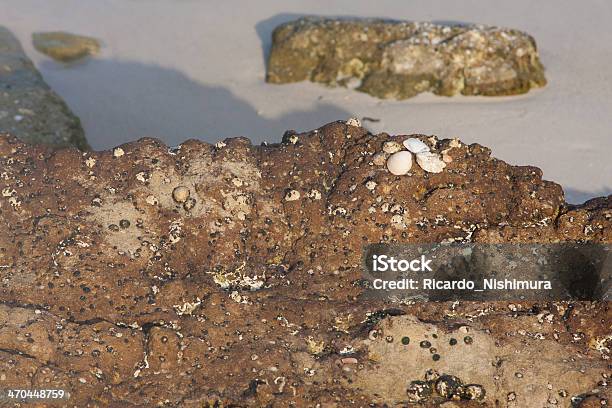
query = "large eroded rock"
x=29 y=109
x=393 y=59
x=229 y=273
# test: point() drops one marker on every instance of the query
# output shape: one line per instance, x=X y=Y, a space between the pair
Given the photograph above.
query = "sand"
x=195 y=69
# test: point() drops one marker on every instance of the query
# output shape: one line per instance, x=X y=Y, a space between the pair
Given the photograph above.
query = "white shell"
x=415 y=145
x=400 y=163
x=430 y=162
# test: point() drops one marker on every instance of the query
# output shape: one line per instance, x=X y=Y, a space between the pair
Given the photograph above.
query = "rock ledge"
x=229 y=274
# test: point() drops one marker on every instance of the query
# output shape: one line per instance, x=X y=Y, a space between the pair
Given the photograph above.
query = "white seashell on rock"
x=400 y=163
x=415 y=145
x=430 y=162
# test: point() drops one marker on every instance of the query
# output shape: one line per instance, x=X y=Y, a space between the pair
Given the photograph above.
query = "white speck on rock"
x=314 y=194
x=398 y=221
x=339 y=211
x=151 y=200
x=143 y=177
x=187 y=308
x=175 y=232
x=353 y=122
x=454 y=143
x=118 y=152
x=292 y=195
x=8 y=192
x=391 y=147
x=15 y=203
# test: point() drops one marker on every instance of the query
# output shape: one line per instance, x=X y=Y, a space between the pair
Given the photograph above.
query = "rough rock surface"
x=29 y=109
x=392 y=59
x=228 y=275
x=65 y=47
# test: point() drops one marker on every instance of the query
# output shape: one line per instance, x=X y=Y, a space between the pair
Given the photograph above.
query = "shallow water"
x=195 y=69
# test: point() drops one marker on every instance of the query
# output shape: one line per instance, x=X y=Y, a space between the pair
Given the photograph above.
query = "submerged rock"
x=29 y=109
x=252 y=296
x=394 y=59
x=65 y=47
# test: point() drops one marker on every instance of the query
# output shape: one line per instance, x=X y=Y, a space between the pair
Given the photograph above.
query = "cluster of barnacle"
x=443 y=386
x=181 y=195
x=238 y=280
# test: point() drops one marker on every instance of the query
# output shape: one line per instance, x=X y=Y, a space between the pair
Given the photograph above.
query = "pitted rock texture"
x=117 y=290
x=393 y=59
x=29 y=109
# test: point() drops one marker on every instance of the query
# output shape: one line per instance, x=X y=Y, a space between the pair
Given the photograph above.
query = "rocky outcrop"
x=229 y=274
x=65 y=47
x=29 y=109
x=392 y=59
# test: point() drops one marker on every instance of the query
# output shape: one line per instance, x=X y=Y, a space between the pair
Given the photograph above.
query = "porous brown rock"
x=121 y=295
x=398 y=59
x=29 y=109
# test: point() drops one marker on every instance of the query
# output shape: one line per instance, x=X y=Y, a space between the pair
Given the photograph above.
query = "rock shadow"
x=120 y=101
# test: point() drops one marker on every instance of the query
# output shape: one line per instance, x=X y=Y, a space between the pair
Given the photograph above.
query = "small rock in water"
x=430 y=162
x=65 y=47
x=415 y=145
x=400 y=163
